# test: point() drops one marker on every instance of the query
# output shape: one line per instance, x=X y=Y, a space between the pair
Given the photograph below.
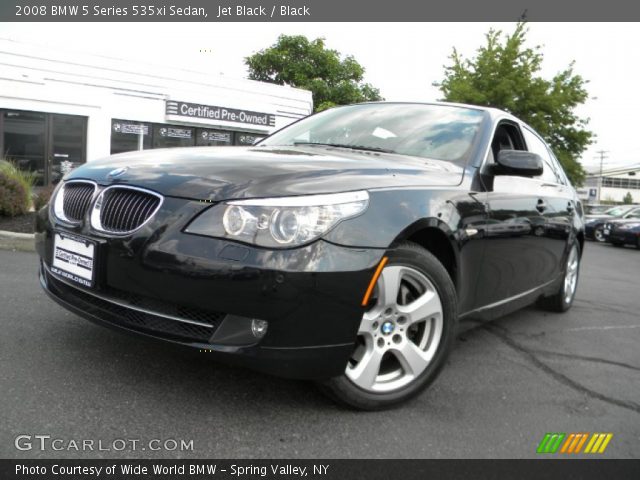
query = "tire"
x=562 y=300
x=598 y=235
x=405 y=335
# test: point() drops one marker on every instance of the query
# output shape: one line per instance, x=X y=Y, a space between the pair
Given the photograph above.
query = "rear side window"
x=550 y=173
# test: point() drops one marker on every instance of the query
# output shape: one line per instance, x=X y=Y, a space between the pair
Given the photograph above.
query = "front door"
x=558 y=207
x=516 y=255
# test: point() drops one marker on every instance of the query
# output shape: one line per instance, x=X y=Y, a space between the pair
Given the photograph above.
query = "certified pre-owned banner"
x=315 y=11
x=210 y=112
x=317 y=469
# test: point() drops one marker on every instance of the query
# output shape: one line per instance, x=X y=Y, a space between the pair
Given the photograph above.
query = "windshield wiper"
x=351 y=147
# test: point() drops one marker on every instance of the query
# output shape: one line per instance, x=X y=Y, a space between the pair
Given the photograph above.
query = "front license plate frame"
x=74 y=258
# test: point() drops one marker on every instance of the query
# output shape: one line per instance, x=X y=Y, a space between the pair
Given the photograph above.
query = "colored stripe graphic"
x=581 y=442
x=568 y=442
x=551 y=442
x=598 y=443
x=573 y=443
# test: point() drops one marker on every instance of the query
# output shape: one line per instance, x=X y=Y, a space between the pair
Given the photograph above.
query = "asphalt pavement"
x=505 y=385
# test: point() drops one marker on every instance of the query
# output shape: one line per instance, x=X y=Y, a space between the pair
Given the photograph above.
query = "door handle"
x=541 y=206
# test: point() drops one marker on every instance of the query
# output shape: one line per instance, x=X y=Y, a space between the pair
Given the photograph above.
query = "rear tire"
x=405 y=335
x=562 y=300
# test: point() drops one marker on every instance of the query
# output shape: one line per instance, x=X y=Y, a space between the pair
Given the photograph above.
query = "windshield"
x=438 y=132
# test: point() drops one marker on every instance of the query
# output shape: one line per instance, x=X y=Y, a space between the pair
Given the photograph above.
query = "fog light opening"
x=259 y=328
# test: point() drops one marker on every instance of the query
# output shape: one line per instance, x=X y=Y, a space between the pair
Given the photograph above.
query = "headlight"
x=279 y=222
x=57 y=200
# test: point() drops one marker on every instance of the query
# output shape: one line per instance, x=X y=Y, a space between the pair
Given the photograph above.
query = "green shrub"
x=14 y=199
x=42 y=197
x=26 y=178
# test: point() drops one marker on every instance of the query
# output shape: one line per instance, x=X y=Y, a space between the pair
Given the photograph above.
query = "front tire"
x=405 y=335
x=563 y=299
x=598 y=235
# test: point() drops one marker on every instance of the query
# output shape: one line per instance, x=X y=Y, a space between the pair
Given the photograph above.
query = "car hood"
x=222 y=173
x=598 y=217
x=622 y=221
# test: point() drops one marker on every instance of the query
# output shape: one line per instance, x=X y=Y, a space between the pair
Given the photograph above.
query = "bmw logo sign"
x=118 y=172
x=387 y=328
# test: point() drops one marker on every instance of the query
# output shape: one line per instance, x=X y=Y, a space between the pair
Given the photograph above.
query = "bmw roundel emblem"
x=387 y=328
x=118 y=172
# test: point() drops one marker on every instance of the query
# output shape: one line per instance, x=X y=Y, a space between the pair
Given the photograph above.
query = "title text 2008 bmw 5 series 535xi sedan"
x=345 y=248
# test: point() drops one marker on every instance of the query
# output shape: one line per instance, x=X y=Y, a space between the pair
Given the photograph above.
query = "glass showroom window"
x=127 y=136
x=247 y=138
x=206 y=137
x=167 y=136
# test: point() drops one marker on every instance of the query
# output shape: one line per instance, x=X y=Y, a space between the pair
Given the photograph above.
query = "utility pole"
x=603 y=157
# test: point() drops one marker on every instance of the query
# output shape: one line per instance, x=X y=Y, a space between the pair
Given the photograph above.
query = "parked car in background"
x=624 y=232
x=344 y=248
x=596 y=209
x=594 y=226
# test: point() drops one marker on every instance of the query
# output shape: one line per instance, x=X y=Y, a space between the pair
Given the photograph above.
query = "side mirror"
x=518 y=162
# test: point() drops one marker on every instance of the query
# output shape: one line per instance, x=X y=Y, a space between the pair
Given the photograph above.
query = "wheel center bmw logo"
x=118 y=172
x=387 y=328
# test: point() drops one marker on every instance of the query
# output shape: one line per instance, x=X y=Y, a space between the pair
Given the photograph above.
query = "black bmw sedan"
x=346 y=248
x=595 y=224
x=623 y=231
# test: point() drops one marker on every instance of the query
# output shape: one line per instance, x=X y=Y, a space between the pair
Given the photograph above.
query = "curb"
x=22 y=242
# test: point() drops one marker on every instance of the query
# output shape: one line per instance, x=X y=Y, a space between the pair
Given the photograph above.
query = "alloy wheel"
x=598 y=234
x=399 y=333
x=571 y=274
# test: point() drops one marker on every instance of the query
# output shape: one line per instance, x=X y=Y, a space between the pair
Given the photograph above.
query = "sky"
x=401 y=59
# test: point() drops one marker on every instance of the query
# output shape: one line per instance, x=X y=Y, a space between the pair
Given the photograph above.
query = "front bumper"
x=623 y=237
x=185 y=289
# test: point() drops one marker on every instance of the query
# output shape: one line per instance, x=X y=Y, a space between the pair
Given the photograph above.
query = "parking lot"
x=505 y=386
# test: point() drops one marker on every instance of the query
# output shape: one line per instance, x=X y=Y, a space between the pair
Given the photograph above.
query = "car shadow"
x=160 y=370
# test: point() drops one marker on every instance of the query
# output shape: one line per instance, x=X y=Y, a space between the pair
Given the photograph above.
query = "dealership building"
x=612 y=185
x=61 y=109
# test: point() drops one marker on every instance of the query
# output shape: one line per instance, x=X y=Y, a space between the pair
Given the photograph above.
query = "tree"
x=505 y=74
x=296 y=61
x=627 y=199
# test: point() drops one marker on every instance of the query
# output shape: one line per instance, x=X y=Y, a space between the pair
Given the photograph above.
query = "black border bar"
x=318 y=10
x=565 y=469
